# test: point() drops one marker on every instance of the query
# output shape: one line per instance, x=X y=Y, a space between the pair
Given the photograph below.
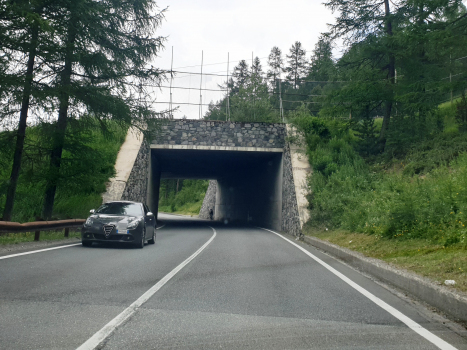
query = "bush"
x=422 y=196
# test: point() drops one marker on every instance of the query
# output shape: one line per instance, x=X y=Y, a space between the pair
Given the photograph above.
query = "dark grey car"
x=120 y=221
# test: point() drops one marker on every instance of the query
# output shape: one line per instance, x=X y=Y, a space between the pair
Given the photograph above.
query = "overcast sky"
x=237 y=27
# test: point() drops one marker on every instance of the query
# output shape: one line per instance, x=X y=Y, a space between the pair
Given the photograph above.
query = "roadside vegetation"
x=407 y=205
x=182 y=196
x=87 y=164
x=422 y=256
x=63 y=64
x=23 y=237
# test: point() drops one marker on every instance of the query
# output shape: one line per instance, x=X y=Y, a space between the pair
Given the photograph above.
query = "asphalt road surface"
x=202 y=287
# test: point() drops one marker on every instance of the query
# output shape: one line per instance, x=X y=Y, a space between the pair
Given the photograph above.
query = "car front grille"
x=108 y=230
x=101 y=236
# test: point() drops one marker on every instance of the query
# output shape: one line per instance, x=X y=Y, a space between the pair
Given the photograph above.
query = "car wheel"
x=86 y=243
x=140 y=244
x=153 y=239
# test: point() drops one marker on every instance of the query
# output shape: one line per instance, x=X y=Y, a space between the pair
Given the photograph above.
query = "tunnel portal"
x=249 y=182
x=251 y=163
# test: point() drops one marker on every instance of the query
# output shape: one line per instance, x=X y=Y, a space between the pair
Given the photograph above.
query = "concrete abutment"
x=250 y=165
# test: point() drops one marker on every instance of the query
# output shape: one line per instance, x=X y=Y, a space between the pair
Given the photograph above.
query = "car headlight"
x=88 y=222
x=133 y=224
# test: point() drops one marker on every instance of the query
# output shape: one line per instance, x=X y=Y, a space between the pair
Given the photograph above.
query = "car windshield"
x=117 y=208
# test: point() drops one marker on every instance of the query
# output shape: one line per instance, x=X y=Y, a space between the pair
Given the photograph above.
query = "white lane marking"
x=158 y=228
x=38 y=251
x=110 y=327
x=440 y=343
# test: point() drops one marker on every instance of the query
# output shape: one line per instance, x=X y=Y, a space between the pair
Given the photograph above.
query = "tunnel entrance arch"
x=249 y=180
x=251 y=163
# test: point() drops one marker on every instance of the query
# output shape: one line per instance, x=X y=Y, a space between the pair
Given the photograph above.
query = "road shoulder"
x=452 y=303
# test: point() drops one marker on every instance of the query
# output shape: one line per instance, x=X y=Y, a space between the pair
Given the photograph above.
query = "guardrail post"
x=37 y=235
x=67 y=232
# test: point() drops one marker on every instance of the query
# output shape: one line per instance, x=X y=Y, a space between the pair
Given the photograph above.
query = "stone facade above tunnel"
x=221 y=133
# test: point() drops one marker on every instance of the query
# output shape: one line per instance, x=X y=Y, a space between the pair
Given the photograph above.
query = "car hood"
x=117 y=220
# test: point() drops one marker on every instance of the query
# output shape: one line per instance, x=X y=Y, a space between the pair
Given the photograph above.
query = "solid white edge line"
x=440 y=343
x=158 y=228
x=38 y=251
x=110 y=327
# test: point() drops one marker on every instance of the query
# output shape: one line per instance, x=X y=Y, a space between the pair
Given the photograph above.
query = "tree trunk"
x=60 y=129
x=391 y=77
x=21 y=132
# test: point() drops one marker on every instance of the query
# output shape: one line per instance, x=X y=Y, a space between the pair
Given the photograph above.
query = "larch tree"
x=297 y=65
x=103 y=69
x=356 y=21
x=25 y=34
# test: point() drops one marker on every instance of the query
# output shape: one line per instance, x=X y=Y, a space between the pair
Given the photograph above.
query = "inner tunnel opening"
x=249 y=183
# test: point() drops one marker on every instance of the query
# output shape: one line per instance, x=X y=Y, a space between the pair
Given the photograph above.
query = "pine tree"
x=357 y=21
x=23 y=33
x=102 y=67
x=322 y=64
x=297 y=67
x=240 y=76
x=276 y=66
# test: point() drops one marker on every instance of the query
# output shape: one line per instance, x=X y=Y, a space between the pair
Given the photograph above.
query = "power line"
x=216 y=64
x=226 y=90
x=205 y=104
x=266 y=79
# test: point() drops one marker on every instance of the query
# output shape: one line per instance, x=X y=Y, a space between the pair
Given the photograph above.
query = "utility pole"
x=281 y=110
x=227 y=112
x=200 y=87
x=450 y=75
x=171 y=79
x=254 y=86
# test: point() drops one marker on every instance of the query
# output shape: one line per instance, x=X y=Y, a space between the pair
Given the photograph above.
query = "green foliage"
x=88 y=162
x=422 y=196
x=182 y=196
x=461 y=114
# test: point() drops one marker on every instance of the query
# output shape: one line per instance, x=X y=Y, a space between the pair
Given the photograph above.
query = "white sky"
x=237 y=27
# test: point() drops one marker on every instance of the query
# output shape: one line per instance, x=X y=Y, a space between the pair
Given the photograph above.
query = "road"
x=247 y=288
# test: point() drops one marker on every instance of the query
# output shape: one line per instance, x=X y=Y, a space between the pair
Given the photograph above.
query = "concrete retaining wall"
x=126 y=158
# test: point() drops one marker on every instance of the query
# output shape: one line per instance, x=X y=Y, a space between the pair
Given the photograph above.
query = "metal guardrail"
x=38 y=226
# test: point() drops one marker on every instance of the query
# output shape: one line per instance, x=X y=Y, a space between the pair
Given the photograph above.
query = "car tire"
x=86 y=243
x=153 y=239
x=140 y=244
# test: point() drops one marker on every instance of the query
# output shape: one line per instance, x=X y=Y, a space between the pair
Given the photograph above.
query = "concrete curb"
x=442 y=298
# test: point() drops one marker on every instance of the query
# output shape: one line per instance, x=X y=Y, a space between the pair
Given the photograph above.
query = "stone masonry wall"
x=209 y=200
x=290 y=215
x=215 y=133
x=136 y=188
x=219 y=133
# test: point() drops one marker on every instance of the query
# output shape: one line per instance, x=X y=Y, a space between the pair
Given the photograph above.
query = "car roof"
x=122 y=202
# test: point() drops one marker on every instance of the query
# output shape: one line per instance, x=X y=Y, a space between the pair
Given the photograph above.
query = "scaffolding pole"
x=200 y=87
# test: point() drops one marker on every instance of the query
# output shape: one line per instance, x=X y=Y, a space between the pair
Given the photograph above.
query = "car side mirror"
x=149 y=214
x=92 y=211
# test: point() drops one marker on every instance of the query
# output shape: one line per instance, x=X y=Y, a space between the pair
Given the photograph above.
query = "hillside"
x=407 y=205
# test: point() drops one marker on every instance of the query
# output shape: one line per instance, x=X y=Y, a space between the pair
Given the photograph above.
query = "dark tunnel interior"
x=249 y=182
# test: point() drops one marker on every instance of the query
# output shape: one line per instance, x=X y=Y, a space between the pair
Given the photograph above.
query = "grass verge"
x=422 y=256
x=16 y=238
x=191 y=209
